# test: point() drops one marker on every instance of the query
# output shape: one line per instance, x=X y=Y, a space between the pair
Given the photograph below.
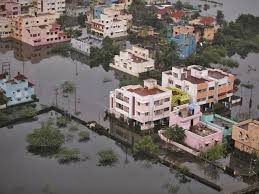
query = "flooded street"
x=25 y=173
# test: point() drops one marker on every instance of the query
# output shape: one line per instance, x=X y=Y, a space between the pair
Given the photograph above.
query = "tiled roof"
x=178 y=14
x=165 y=11
x=207 y=20
x=216 y=74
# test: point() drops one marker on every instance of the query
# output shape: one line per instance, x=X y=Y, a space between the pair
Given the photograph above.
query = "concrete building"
x=25 y=2
x=5 y=27
x=84 y=44
x=144 y=106
x=111 y=23
x=9 y=8
x=134 y=60
x=185 y=39
x=198 y=135
x=38 y=29
x=46 y=6
x=18 y=90
x=204 y=85
x=185 y=116
x=219 y=122
x=246 y=136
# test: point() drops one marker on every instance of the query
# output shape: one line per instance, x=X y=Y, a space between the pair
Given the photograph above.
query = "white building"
x=5 y=27
x=112 y=23
x=84 y=44
x=46 y=6
x=133 y=61
x=204 y=85
x=25 y=2
x=143 y=106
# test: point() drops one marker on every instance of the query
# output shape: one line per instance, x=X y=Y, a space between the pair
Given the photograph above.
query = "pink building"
x=9 y=8
x=199 y=136
x=185 y=116
x=38 y=29
x=145 y=106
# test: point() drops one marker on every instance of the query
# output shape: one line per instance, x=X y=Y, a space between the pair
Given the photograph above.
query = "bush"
x=66 y=155
x=62 y=121
x=172 y=188
x=28 y=111
x=83 y=136
x=214 y=153
x=107 y=157
x=144 y=146
x=73 y=128
x=45 y=139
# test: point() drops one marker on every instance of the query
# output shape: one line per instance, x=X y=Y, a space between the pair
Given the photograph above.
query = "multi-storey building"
x=5 y=27
x=185 y=39
x=25 y=2
x=145 y=106
x=246 y=136
x=46 y=6
x=204 y=85
x=18 y=90
x=37 y=29
x=133 y=61
x=111 y=23
x=9 y=8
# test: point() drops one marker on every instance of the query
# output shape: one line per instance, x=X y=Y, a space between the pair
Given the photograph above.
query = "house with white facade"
x=112 y=23
x=133 y=61
x=84 y=44
x=46 y=6
x=5 y=27
x=204 y=85
x=144 y=106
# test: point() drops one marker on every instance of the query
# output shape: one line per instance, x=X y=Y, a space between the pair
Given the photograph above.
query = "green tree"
x=81 y=20
x=215 y=152
x=83 y=136
x=176 y=134
x=68 y=87
x=46 y=136
x=107 y=157
x=62 y=121
x=145 y=145
x=66 y=155
x=28 y=111
x=178 y=5
x=220 y=17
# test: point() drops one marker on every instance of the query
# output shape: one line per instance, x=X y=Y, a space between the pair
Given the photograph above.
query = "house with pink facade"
x=38 y=29
x=144 y=106
x=199 y=135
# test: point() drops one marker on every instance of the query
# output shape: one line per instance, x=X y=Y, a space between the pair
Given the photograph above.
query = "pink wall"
x=199 y=143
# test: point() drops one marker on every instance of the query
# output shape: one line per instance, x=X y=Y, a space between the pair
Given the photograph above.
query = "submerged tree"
x=145 y=145
x=107 y=157
x=66 y=155
x=45 y=140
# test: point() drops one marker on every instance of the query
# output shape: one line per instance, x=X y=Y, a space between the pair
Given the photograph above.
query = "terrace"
x=202 y=130
x=179 y=97
x=145 y=91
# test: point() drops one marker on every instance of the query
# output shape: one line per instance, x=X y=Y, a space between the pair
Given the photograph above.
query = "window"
x=211 y=88
x=138 y=103
x=147 y=113
x=167 y=99
x=166 y=109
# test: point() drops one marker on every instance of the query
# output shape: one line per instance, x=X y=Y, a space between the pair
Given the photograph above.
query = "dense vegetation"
x=145 y=145
x=103 y=56
x=83 y=136
x=240 y=37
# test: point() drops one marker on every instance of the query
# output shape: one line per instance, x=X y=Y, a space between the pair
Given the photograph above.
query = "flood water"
x=22 y=172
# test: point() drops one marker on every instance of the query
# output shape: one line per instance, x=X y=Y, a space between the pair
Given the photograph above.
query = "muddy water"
x=22 y=172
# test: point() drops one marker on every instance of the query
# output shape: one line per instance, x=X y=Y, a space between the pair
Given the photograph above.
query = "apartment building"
x=144 y=106
x=134 y=60
x=206 y=86
x=5 y=27
x=18 y=89
x=46 y=6
x=38 y=29
x=25 y=2
x=111 y=23
x=9 y=8
x=246 y=136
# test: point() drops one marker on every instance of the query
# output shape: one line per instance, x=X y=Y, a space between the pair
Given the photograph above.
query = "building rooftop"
x=145 y=91
x=178 y=14
x=216 y=74
x=137 y=59
x=194 y=80
x=250 y=125
x=201 y=130
x=207 y=20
